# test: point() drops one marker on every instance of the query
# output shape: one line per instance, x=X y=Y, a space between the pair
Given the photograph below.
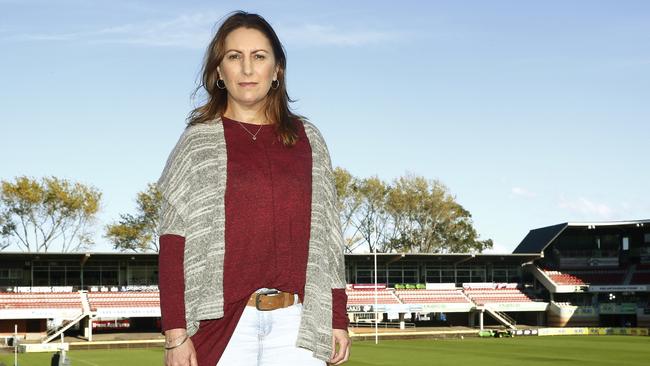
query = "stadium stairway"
x=55 y=333
x=467 y=298
x=52 y=334
x=630 y=273
x=541 y=276
x=85 y=302
x=502 y=318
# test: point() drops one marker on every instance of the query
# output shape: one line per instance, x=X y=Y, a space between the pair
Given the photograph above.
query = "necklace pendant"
x=254 y=137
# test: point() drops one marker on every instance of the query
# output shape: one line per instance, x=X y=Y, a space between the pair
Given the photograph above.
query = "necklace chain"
x=253 y=135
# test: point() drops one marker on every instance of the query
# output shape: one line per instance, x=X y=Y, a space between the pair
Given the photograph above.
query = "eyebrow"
x=253 y=51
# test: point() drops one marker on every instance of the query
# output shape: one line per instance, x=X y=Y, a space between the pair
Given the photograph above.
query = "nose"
x=247 y=66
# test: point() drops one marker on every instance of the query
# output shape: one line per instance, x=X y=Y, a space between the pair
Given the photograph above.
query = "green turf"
x=561 y=350
x=528 y=351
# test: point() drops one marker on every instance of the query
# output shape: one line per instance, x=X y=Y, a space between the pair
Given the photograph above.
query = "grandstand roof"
x=36 y=254
x=82 y=257
x=447 y=258
x=538 y=239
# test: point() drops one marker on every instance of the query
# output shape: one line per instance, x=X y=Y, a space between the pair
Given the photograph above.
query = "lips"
x=247 y=85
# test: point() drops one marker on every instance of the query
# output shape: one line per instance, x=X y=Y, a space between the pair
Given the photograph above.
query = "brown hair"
x=277 y=102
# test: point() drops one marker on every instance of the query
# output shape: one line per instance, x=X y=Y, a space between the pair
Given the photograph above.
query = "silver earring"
x=219 y=85
x=277 y=84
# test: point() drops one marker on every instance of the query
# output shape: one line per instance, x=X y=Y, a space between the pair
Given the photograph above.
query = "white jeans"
x=268 y=338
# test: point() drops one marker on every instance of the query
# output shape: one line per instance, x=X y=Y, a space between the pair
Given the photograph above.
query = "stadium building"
x=587 y=274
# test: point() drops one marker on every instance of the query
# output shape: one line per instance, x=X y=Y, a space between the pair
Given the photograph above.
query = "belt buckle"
x=257 y=298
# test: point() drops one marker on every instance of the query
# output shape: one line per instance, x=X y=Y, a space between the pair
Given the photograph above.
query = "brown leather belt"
x=271 y=300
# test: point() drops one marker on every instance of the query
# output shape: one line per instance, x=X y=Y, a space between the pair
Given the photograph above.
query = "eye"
x=260 y=57
x=233 y=56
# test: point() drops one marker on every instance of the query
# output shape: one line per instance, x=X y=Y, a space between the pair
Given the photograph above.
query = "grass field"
x=528 y=351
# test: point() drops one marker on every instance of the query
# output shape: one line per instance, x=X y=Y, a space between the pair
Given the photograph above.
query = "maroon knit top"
x=267 y=225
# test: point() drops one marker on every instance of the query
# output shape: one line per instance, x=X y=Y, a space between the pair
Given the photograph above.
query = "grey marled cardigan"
x=193 y=184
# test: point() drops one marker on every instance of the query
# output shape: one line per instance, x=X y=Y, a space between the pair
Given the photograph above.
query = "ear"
x=275 y=74
x=218 y=72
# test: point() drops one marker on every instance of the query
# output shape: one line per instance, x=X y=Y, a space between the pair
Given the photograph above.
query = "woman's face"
x=248 y=66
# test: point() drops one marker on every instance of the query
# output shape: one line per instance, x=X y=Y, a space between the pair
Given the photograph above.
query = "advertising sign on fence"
x=562 y=331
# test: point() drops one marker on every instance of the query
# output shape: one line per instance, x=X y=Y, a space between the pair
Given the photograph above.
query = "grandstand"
x=593 y=273
x=587 y=274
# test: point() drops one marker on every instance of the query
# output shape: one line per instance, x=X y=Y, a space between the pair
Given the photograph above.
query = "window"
x=364 y=275
x=395 y=276
x=478 y=274
x=463 y=274
x=142 y=275
x=448 y=276
x=11 y=277
x=73 y=275
x=57 y=276
x=432 y=275
x=500 y=275
x=11 y=273
x=504 y=273
x=41 y=276
x=92 y=276
x=410 y=275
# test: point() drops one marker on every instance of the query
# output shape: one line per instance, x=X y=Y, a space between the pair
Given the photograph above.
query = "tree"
x=5 y=233
x=413 y=214
x=372 y=217
x=350 y=200
x=427 y=219
x=138 y=232
x=35 y=215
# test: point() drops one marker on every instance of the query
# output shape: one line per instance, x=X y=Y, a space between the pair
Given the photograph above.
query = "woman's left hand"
x=340 y=337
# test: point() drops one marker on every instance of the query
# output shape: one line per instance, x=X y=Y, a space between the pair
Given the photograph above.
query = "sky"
x=531 y=113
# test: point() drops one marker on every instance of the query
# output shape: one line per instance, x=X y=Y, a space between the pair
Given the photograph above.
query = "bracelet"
x=183 y=341
x=170 y=341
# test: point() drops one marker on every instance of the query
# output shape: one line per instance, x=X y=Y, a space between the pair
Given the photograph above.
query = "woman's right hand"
x=183 y=355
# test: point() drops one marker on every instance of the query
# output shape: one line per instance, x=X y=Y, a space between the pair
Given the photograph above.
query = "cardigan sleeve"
x=173 y=186
x=337 y=243
x=171 y=230
x=339 y=309
x=335 y=253
x=171 y=284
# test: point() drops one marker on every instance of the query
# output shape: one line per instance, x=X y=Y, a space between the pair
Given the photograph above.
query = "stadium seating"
x=422 y=296
x=123 y=299
x=640 y=278
x=486 y=293
x=367 y=296
x=587 y=277
x=40 y=300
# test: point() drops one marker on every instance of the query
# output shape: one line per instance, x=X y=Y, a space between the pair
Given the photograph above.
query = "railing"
x=589 y=253
x=503 y=318
x=56 y=332
x=380 y=325
x=507 y=317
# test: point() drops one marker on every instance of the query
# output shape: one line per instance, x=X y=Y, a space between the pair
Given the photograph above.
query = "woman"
x=251 y=266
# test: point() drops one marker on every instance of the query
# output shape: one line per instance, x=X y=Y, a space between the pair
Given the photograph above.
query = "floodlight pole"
x=15 y=344
x=376 y=324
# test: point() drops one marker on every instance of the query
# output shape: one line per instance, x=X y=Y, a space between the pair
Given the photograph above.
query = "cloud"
x=311 y=34
x=186 y=31
x=587 y=208
x=195 y=30
x=522 y=192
